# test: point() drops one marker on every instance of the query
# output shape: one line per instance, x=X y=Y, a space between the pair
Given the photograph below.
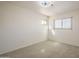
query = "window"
x=63 y=23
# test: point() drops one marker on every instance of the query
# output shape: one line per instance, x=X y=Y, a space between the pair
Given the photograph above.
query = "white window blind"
x=63 y=23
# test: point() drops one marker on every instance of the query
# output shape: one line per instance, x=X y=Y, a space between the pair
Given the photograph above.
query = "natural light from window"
x=63 y=23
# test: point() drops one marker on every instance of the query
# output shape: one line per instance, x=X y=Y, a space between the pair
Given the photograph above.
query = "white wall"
x=66 y=36
x=20 y=27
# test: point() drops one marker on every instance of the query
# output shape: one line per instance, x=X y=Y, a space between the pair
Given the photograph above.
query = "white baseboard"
x=22 y=46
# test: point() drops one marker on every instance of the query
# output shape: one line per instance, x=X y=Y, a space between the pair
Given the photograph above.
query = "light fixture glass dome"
x=45 y=3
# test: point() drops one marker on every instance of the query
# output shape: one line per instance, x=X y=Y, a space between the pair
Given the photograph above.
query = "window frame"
x=62 y=24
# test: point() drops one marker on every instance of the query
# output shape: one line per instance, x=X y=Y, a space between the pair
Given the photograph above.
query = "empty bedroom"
x=39 y=29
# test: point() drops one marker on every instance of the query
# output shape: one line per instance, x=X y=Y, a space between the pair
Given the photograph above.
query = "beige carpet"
x=46 y=49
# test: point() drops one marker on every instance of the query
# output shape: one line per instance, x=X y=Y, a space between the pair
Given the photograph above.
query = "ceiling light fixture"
x=46 y=3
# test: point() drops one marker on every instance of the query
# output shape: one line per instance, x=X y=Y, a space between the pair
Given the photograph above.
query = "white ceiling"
x=58 y=8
